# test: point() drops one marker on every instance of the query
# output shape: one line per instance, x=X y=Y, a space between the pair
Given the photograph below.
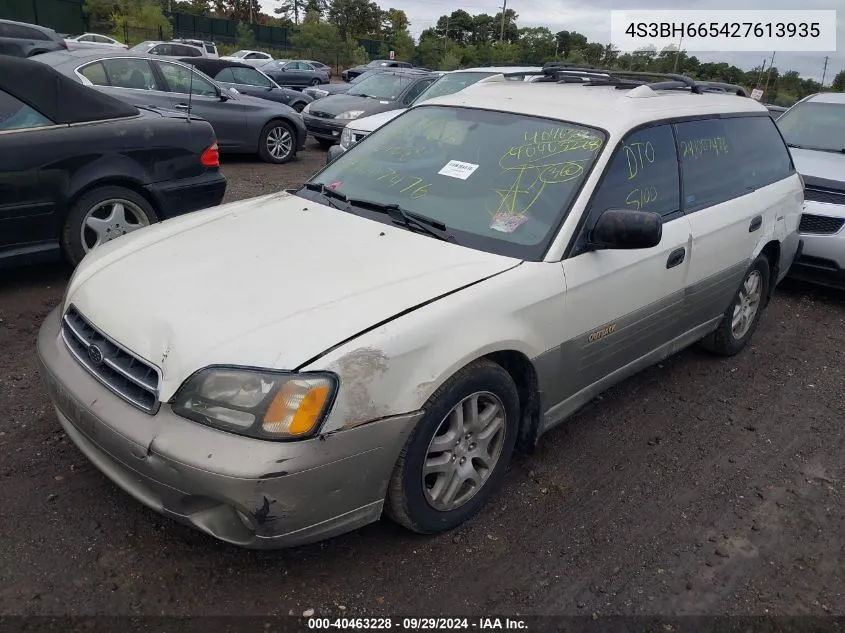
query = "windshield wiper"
x=330 y=194
x=430 y=226
x=818 y=149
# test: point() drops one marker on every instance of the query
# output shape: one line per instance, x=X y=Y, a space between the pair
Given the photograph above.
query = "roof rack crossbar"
x=670 y=81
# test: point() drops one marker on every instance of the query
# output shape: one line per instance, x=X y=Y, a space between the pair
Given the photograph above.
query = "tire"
x=272 y=146
x=324 y=143
x=727 y=340
x=314 y=82
x=420 y=503
x=94 y=219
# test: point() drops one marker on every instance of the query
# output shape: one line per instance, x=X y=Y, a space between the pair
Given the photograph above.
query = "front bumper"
x=176 y=197
x=327 y=129
x=334 y=152
x=822 y=259
x=252 y=493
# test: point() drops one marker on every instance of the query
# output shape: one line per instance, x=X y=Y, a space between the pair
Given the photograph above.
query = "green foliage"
x=245 y=35
x=316 y=38
x=138 y=14
x=355 y=18
x=355 y=54
x=451 y=61
x=839 y=81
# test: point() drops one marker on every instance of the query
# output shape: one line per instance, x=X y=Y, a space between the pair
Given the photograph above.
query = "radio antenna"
x=190 y=92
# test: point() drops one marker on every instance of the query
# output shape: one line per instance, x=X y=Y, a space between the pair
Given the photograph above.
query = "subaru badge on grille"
x=95 y=354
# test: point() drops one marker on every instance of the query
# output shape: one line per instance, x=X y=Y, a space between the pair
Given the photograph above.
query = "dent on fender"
x=358 y=370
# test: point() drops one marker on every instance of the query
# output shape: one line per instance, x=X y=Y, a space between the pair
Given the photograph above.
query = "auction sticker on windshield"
x=458 y=169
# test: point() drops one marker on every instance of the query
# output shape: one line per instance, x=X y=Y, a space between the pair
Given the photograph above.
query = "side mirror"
x=626 y=229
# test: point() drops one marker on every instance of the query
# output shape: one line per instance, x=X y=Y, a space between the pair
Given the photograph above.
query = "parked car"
x=249 y=81
x=448 y=83
x=93 y=39
x=79 y=168
x=168 y=49
x=318 y=92
x=209 y=48
x=21 y=39
x=243 y=124
x=296 y=73
x=350 y=73
x=814 y=129
x=485 y=265
x=253 y=58
x=320 y=66
x=774 y=110
x=390 y=90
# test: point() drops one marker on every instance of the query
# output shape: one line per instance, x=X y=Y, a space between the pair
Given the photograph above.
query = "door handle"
x=676 y=257
x=756 y=223
x=181 y=106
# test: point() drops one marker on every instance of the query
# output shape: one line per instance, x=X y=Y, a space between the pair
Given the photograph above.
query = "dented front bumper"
x=253 y=493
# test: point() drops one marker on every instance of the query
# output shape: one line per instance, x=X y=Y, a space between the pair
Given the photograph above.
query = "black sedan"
x=318 y=92
x=350 y=73
x=243 y=124
x=249 y=81
x=299 y=74
x=390 y=90
x=79 y=168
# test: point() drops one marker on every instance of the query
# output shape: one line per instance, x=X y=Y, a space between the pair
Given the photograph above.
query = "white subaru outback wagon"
x=283 y=369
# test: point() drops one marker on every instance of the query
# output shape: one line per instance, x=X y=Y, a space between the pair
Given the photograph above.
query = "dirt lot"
x=703 y=485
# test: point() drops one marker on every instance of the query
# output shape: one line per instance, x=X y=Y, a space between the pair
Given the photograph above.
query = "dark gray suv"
x=20 y=39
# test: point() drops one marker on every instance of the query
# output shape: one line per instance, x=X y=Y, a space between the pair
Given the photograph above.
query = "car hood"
x=335 y=88
x=815 y=164
x=335 y=104
x=375 y=121
x=269 y=282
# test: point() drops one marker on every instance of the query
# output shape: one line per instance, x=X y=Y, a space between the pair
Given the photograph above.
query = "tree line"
x=329 y=30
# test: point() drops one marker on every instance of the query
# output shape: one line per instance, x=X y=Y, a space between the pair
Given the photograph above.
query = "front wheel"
x=741 y=318
x=314 y=82
x=277 y=143
x=456 y=457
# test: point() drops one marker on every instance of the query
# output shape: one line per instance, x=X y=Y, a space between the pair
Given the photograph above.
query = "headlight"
x=319 y=93
x=346 y=138
x=307 y=108
x=350 y=114
x=263 y=404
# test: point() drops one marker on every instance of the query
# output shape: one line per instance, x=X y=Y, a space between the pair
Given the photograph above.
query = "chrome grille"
x=820 y=224
x=131 y=378
x=824 y=195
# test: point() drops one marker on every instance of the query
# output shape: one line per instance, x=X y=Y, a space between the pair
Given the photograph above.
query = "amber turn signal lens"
x=297 y=407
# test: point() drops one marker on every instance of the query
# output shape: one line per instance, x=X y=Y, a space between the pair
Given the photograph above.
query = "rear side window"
x=16 y=115
x=210 y=48
x=226 y=76
x=18 y=31
x=642 y=175
x=722 y=159
x=764 y=156
x=130 y=73
x=711 y=163
x=95 y=73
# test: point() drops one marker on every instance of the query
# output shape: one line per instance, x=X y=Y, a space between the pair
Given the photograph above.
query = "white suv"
x=814 y=129
x=288 y=367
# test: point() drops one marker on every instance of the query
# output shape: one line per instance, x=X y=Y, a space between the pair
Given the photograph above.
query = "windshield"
x=240 y=54
x=500 y=182
x=386 y=86
x=366 y=75
x=143 y=47
x=451 y=83
x=814 y=125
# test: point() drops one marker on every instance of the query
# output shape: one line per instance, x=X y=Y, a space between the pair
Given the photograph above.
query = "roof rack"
x=622 y=79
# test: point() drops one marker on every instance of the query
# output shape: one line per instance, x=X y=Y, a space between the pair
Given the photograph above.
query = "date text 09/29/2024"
x=418 y=624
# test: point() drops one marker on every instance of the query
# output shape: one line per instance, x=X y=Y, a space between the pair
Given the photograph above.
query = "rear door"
x=27 y=209
x=416 y=90
x=725 y=162
x=227 y=116
x=626 y=304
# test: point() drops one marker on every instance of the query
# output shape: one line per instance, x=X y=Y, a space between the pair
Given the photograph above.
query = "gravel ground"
x=701 y=486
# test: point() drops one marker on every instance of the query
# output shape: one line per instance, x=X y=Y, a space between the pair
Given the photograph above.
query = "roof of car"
x=828 y=97
x=38 y=27
x=598 y=106
x=59 y=98
x=213 y=66
x=499 y=69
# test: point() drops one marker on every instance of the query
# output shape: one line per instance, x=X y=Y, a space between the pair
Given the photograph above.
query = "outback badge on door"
x=600 y=334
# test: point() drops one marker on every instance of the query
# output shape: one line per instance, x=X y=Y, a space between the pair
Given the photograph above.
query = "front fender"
x=395 y=368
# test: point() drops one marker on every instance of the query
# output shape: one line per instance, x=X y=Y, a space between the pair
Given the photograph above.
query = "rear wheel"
x=102 y=215
x=277 y=143
x=456 y=457
x=741 y=318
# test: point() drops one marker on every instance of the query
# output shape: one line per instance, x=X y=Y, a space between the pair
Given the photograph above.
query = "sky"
x=592 y=18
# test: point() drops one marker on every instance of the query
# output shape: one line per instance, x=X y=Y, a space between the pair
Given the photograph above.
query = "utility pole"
x=445 y=37
x=502 y=32
x=677 y=54
x=760 y=74
x=824 y=72
x=769 y=74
